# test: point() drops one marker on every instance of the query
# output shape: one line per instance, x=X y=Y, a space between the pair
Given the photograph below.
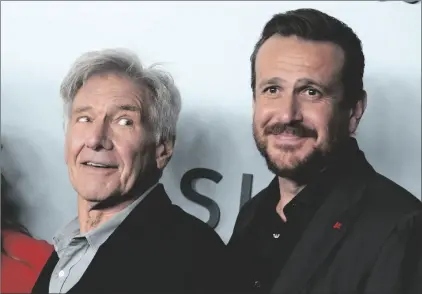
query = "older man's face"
x=297 y=112
x=106 y=146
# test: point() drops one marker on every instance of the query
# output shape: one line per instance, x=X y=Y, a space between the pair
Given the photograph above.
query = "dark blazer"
x=158 y=248
x=377 y=250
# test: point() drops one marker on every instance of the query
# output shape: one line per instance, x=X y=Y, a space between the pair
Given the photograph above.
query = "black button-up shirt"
x=262 y=242
x=268 y=241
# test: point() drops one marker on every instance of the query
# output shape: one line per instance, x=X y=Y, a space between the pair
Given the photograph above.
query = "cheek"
x=261 y=117
x=73 y=146
x=130 y=153
x=318 y=118
x=66 y=151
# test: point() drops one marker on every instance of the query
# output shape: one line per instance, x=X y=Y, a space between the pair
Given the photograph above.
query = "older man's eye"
x=125 y=122
x=83 y=119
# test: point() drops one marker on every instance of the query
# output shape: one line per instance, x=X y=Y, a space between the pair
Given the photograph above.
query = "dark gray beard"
x=306 y=168
x=298 y=172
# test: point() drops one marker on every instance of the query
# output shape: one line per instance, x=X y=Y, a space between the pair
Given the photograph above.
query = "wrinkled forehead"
x=296 y=58
x=104 y=91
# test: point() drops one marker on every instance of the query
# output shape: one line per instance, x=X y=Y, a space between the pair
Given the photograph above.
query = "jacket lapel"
x=329 y=225
x=104 y=272
x=42 y=284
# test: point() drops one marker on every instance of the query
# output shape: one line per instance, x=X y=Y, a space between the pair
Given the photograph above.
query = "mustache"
x=297 y=129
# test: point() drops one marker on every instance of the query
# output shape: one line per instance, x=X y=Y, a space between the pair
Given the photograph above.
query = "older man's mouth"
x=99 y=164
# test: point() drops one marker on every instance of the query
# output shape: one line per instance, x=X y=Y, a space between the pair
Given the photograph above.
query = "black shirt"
x=261 y=252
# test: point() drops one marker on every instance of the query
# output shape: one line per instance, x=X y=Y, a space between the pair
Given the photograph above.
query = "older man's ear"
x=163 y=154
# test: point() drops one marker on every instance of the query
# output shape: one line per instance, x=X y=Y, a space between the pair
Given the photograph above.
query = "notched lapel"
x=327 y=228
x=104 y=273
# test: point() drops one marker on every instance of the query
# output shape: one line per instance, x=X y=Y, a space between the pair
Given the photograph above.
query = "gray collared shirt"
x=76 y=250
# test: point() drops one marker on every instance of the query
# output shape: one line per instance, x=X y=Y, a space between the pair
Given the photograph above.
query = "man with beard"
x=328 y=222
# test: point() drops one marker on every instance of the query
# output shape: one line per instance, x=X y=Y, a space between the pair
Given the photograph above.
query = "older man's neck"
x=90 y=217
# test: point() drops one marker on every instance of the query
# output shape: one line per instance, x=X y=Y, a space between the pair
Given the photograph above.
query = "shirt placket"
x=72 y=255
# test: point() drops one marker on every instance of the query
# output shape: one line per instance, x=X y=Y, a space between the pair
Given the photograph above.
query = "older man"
x=328 y=222
x=128 y=236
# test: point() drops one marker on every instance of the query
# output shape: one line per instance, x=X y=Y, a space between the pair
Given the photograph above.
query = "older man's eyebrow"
x=121 y=107
x=81 y=109
x=129 y=107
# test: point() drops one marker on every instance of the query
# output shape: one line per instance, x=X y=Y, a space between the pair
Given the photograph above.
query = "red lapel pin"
x=337 y=226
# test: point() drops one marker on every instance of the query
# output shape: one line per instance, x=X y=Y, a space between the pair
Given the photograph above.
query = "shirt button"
x=257 y=284
x=61 y=274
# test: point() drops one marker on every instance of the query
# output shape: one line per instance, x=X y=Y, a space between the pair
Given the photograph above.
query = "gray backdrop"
x=206 y=46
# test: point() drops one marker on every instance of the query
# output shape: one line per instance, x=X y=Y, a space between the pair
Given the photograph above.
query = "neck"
x=92 y=214
x=288 y=189
x=291 y=184
x=90 y=217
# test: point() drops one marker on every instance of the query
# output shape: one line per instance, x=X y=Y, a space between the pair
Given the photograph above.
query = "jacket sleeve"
x=209 y=272
x=398 y=268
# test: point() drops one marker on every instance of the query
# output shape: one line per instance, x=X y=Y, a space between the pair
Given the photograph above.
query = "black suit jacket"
x=377 y=250
x=158 y=248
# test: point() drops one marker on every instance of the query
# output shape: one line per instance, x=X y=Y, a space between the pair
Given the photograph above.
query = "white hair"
x=164 y=101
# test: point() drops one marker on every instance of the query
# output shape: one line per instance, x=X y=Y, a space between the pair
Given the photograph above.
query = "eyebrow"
x=270 y=81
x=307 y=81
x=125 y=107
x=129 y=107
x=278 y=81
x=82 y=109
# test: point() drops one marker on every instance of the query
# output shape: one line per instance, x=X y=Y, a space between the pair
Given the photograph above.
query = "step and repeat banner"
x=206 y=47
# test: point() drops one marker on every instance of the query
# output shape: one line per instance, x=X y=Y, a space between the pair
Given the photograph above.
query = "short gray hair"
x=164 y=105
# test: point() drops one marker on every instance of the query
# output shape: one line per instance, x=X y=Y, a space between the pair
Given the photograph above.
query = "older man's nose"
x=99 y=138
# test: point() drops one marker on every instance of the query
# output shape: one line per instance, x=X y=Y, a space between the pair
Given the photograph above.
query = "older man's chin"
x=97 y=194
